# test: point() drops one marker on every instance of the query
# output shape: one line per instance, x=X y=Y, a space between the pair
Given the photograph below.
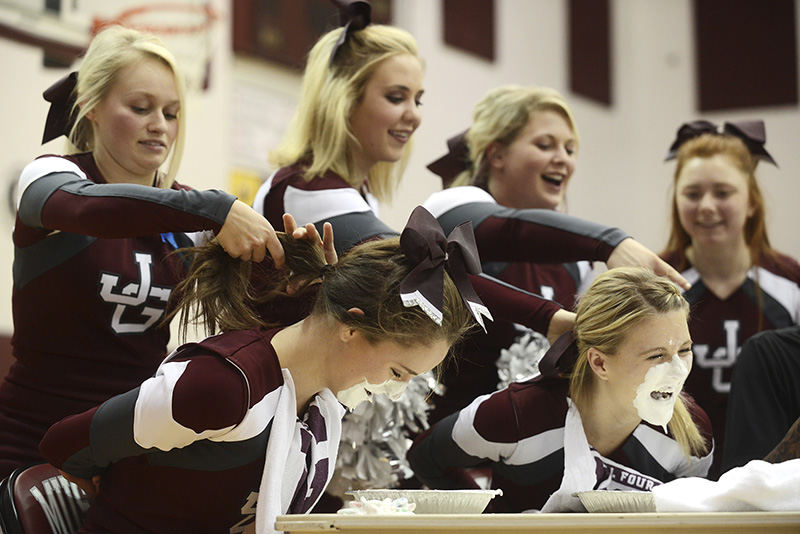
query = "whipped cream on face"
x=656 y=395
x=363 y=391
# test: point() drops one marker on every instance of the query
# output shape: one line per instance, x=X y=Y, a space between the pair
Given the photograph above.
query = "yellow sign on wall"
x=244 y=184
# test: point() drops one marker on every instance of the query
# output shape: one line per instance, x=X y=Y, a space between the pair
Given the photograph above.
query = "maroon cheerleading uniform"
x=93 y=271
x=502 y=235
x=185 y=451
x=546 y=235
x=719 y=328
x=539 y=238
x=518 y=432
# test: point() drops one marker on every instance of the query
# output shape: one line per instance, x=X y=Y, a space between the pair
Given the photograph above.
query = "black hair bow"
x=454 y=162
x=61 y=96
x=560 y=357
x=354 y=15
x=426 y=247
x=752 y=133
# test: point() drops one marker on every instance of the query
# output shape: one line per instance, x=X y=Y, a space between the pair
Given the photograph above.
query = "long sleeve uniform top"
x=185 y=451
x=519 y=432
x=521 y=235
x=93 y=271
x=534 y=250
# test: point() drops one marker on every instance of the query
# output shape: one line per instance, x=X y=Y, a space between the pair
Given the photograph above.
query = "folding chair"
x=38 y=500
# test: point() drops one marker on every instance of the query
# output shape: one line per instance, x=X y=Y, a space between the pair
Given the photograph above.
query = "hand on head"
x=631 y=253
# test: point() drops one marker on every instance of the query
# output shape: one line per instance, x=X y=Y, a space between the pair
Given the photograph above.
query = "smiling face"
x=534 y=170
x=647 y=373
x=383 y=367
x=388 y=113
x=135 y=124
x=712 y=200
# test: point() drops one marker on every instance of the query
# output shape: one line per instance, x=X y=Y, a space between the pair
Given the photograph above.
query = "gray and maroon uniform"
x=519 y=433
x=353 y=214
x=93 y=271
x=185 y=451
x=719 y=328
x=524 y=248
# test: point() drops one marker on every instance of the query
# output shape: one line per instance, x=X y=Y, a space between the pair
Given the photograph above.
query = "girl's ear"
x=597 y=361
x=495 y=155
x=346 y=332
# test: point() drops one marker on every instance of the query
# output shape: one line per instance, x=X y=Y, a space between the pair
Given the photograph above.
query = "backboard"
x=63 y=28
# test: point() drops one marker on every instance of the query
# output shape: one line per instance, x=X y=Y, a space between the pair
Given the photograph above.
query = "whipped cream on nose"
x=363 y=391
x=656 y=395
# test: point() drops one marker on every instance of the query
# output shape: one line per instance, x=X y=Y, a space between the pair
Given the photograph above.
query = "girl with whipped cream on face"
x=245 y=425
x=606 y=413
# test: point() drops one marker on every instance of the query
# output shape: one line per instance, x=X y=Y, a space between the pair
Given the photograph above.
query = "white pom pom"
x=376 y=437
x=520 y=361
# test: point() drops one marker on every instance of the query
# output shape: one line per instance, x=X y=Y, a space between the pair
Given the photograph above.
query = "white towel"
x=290 y=480
x=756 y=486
x=579 y=466
x=586 y=469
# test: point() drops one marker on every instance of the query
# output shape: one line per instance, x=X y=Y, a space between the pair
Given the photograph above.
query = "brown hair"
x=219 y=292
x=615 y=304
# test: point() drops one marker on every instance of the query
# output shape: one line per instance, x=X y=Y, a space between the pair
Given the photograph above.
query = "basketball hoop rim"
x=123 y=19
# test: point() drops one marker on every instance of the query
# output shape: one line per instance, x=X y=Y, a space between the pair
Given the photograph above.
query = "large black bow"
x=454 y=162
x=752 y=133
x=425 y=245
x=354 y=15
x=61 y=96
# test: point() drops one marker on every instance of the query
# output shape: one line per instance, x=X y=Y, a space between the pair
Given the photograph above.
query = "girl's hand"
x=631 y=253
x=561 y=322
x=310 y=233
x=247 y=235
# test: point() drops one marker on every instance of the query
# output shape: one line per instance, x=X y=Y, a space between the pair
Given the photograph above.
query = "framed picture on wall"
x=283 y=31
